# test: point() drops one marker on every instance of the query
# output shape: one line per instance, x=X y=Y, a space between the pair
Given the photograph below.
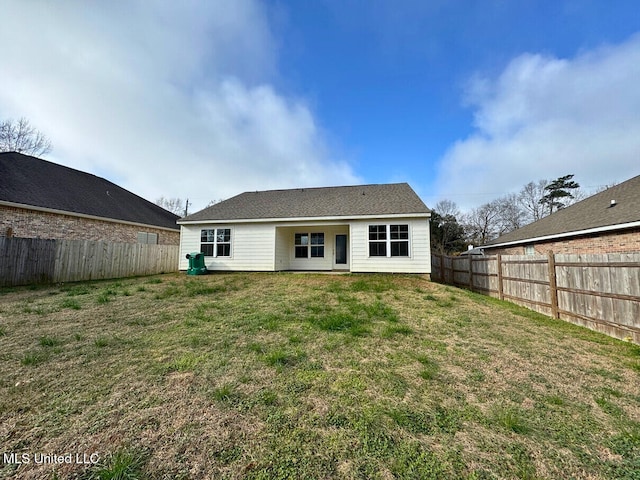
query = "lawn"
x=266 y=376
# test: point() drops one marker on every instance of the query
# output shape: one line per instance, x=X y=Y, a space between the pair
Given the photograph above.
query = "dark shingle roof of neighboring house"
x=31 y=181
x=351 y=201
x=593 y=214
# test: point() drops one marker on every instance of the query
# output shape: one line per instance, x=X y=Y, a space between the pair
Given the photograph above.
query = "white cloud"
x=544 y=117
x=164 y=98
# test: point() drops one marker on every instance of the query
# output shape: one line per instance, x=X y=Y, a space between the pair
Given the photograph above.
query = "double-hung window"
x=215 y=242
x=389 y=240
x=309 y=245
x=399 y=240
x=377 y=240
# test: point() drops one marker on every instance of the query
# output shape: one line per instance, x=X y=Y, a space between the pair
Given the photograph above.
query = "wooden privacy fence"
x=25 y=261
x=598 y=291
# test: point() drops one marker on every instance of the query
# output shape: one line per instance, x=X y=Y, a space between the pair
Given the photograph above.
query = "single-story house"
x=363 y=228
x=607 y=222
x=41 y=199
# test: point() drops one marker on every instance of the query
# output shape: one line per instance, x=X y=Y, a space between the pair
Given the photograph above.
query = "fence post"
x=470 y=272
x=553 y=290
x=443 y=277
x=500 y=286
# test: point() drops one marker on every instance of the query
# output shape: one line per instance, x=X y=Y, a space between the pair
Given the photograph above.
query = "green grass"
x=124 y=464
x=223 y=393
x=78 y=289
x=32 y=358
x=47 y=341
x=261 y=376
x=101 y=342
x=512 y=419
x=70 y=303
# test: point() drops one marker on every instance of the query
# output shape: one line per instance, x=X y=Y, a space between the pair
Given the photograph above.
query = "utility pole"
x=186 y=208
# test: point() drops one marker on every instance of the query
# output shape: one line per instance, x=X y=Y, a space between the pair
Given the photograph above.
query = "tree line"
x=452 y=231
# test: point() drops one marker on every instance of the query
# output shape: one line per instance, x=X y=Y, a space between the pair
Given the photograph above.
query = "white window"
x=215 y=242
x=309 y=245
x=529 y=250
x=389 y=240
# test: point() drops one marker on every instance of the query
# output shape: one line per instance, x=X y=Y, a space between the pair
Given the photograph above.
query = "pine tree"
x=558 y=190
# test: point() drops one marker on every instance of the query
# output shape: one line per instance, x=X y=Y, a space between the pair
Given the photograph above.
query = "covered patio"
x=313 y=247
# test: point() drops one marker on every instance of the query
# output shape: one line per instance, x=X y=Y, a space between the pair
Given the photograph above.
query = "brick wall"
x=19 y=222
x=621 y=242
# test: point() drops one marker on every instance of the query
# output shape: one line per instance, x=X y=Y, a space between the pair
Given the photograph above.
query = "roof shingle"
x=349 y=201
x=31 y=181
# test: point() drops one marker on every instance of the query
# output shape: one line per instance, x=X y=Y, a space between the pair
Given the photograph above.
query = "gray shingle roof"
x=592 y=212
x=32 y=181
x=351 y=201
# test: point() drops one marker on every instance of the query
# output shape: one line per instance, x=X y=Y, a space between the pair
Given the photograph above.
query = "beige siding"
x=189 y=242
x=418 y=261
x=252 y=247
x=283 y=245
x=269 y=247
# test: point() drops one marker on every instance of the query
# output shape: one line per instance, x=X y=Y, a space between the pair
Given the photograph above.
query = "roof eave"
x=575 y=233
x=344 y=218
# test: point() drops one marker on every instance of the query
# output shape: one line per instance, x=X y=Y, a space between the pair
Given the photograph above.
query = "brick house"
x=607 y=222
x=41 y=199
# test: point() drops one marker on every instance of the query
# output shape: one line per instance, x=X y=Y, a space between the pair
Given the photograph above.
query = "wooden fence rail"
x=25 y=261
x=598 y=291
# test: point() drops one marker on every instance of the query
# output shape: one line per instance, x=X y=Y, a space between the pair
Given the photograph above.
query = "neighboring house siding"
x=22 y=222
x=252 y=247
x=418 y=261
x=616 y=242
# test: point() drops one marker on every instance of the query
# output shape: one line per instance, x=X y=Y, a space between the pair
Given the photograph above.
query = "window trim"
x=387 y=241
x=215 y=243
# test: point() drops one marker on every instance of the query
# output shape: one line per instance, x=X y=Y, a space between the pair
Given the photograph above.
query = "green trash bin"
x=196 y=264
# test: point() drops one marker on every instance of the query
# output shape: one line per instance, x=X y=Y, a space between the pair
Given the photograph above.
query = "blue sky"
x=464 y=100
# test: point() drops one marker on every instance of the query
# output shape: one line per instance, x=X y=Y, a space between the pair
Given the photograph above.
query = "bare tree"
x=174 y=205
x=511 y=216
x=529 y=199
x=19 y=136
x=483 y=223
x=447 y=207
